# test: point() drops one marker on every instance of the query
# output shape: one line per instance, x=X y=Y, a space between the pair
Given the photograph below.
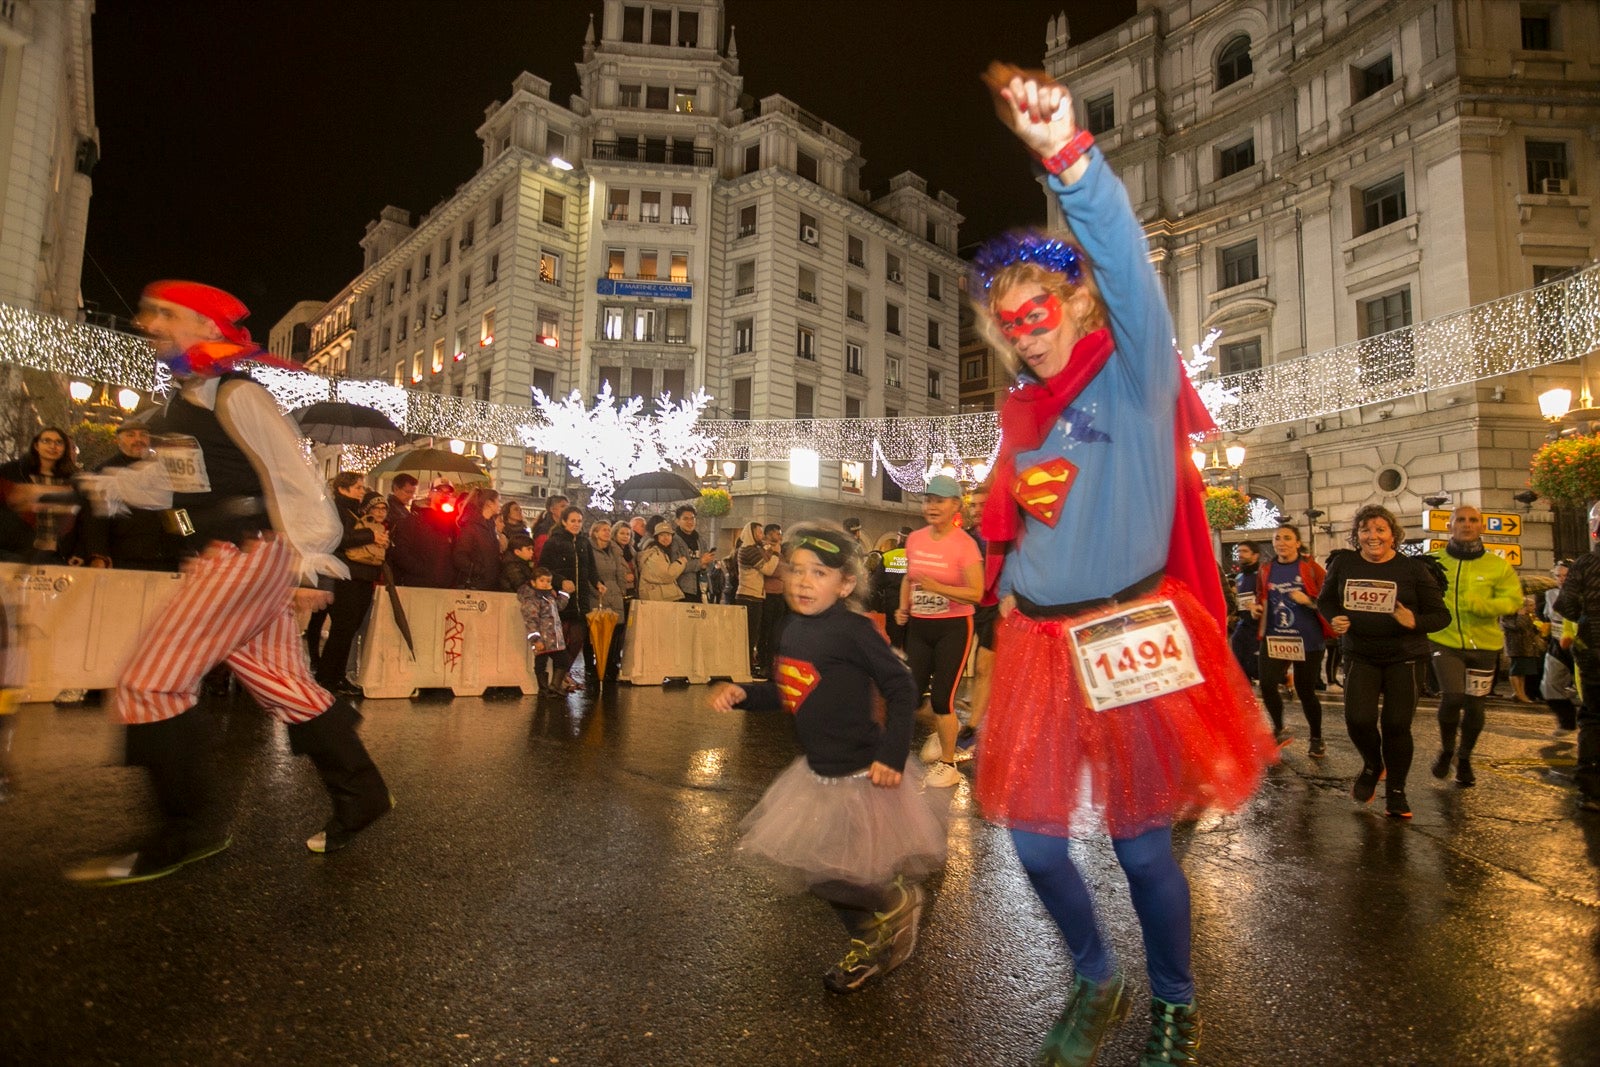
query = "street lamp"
x=1214 y=471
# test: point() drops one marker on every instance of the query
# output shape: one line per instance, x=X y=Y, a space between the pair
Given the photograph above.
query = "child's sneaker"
x=942 y=776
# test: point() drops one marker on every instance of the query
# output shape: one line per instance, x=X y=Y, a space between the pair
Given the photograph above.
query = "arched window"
x=1233 y=62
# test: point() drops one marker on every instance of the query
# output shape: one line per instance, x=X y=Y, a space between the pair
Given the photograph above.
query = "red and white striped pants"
x=235 y=607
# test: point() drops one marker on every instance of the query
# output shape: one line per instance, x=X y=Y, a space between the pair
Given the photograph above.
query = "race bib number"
x=925 y=603
x=1287 y=648
x=1364 y=594
x=1479 y=683
x=1134 y=655
x=185 y=464
x=1247 y=603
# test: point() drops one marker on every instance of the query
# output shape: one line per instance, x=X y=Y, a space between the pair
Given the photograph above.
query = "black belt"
x=1138 y=589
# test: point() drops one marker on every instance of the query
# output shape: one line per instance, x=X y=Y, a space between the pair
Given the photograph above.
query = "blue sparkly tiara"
x=1026 y=246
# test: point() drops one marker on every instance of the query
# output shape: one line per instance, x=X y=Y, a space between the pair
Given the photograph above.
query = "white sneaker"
x=942 y=776
x=932 y=748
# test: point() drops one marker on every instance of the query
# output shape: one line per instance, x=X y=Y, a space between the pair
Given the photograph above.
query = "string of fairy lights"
x=1553 y=323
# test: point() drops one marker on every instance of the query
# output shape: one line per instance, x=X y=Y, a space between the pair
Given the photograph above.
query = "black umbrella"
x=438 y=460
x=335 y=422
x=657 y=487
x=401 y=623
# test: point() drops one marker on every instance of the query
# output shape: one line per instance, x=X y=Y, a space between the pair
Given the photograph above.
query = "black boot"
x=352 y=780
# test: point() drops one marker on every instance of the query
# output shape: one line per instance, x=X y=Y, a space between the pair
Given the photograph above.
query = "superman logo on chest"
x=1042 y=489
x=795 y=679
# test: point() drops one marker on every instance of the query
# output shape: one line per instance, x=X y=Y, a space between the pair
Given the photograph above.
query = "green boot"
x=1091 y=1011
x=1174 y=1035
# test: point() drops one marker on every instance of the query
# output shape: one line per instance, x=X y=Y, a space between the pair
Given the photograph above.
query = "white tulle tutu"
x=809 y=829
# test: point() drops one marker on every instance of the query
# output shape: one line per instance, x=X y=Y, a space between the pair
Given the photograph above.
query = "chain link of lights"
x=1556 y=322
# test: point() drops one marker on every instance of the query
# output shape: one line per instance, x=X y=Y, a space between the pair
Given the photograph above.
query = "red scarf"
x=1030 y=411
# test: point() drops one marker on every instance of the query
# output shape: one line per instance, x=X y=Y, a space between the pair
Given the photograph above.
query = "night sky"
x=248 y=144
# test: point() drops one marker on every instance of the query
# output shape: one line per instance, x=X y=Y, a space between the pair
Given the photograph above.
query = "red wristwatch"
x=1081 y=142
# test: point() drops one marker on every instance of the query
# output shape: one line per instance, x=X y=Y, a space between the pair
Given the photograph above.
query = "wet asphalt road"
x=556 y=887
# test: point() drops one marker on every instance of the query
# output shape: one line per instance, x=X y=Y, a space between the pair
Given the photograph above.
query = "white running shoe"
x=942 y=776
x=932 y=748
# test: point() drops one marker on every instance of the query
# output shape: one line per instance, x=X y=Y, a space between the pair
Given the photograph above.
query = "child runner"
x=847 y=820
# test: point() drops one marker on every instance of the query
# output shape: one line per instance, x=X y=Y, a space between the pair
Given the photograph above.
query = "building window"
x=1241 y=356
x=1383 y=203
x=445 y=250
x=741 y=399
x=388 y=339
x=752 y=158
x=973 y=369
x=891 y=268
x=549 y=328
x=677 y=326
x=1100 y=114
x=744 y=282
x=400 y=374
x=808 y=229
x=935 y=287
x=497 y=210
x=494 y=270
x=545 y=381
x=647 y=265
x=930 y=231
x=679 y=267
x=611 y=376
x=688 y=29
x=682 y=209
x=370 y=303
x=617 y=263
x=1237 y=157
x=633 y=24
x=1537 y=28
x=805 y=166
x=611 y=323
x=660 y=25
x=405 y=282
x=1386 y=359
x=644 y=324
x=854 y=303
x=852 y=358
x=555 y=209
x=933 y=334
x=655 y=97
x=549 y=267
x=437 y=363
x=535 y=464
x=744 y=336
x=650 y=205
x=427 y=265
x=852 y=476
x=935 y=385
x=1547 y=167
x=461 y=344
x=388 y=294
x=1374 y=77
x=805 y=345
x=416 y=366
x=804 y=402
x=891 y=318
x=469 y=233
x=808 y=285
x=466 y=286
x=856 y=251
x=630 y=95
x=891 y=489
x=1239 y=264
x=555 y=143
x=747 y=220
x=404 y=327
x=891 y=371
x=1233 y=62
x=1542 y=275
x=852 y=407
x=617 y=205
x=672 y=379
x=486 y=336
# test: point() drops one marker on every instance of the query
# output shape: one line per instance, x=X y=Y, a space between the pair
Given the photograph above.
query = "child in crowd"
x=541 y=605
x=847 y=820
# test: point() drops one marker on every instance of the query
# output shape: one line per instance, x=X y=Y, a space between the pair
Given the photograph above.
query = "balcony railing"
x=637 y=152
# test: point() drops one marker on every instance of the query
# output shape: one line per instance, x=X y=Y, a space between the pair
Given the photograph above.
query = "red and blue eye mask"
x=1037 y=316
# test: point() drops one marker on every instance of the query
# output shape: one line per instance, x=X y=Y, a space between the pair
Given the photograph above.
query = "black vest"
x=235 y=506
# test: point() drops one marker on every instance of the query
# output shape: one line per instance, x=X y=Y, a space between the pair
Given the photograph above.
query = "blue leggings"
x=1160 y=895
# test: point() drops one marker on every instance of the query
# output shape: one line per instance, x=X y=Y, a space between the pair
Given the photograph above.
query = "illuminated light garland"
x=1557 y=322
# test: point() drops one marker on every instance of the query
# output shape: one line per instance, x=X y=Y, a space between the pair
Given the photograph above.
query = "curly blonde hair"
x=1009 y=277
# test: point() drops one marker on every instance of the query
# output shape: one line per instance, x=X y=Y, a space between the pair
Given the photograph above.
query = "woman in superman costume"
x=1115 y=696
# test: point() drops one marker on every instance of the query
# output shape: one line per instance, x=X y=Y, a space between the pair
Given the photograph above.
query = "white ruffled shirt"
x=297 y=500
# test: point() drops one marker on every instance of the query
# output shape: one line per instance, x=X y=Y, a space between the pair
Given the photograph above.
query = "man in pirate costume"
x=257 y=530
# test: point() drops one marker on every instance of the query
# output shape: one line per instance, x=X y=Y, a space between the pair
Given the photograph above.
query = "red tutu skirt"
x=1049 y=761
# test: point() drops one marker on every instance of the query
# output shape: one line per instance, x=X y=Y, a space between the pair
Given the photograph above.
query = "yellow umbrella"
x=602 y=624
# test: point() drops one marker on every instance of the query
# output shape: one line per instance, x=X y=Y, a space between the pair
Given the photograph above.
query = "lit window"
x=486 y=333
x=549 y=267
x=611 y=323
x=650 y=206
x=680 y=266
x=682 y=209
x=438 y=356
x=549 y=328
